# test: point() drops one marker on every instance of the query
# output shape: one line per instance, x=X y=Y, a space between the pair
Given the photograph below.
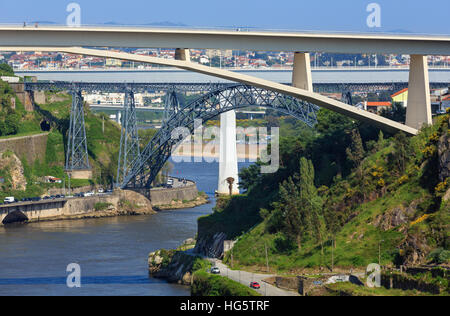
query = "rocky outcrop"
x=447 y=196
x=12 y=167
x=396 y=217
x=444 y=156
x=414 y=250
x=211 y=246
x=134 y=202
x=173 y=266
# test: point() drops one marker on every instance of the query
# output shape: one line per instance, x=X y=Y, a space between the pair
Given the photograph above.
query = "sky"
x=398 y=16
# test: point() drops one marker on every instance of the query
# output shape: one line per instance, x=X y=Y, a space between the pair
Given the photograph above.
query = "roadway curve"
x=312 y=97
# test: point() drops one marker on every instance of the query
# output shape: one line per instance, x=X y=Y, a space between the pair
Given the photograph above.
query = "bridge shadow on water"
x=115 y=279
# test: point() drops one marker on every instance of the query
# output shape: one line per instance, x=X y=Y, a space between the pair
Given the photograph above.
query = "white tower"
x=228 y=166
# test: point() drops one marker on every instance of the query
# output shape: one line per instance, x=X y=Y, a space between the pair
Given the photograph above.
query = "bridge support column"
x=228 y=166
x=301 y=74
x=77 y=158
x=418 y=110
x=182 y=54
x=129 y=140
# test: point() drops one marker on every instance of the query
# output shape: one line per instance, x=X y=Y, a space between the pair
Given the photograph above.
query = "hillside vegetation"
x=103 y=138
x=344 y=194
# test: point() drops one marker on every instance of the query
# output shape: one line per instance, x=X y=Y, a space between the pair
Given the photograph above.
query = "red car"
x=255 y=285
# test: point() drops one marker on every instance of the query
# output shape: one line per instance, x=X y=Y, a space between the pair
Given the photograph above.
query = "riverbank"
x=122 y=202
x=187 y=268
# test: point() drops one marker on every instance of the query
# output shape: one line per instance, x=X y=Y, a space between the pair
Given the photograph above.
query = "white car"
x=9 y=200
x=101 y=191
x=215 y=270
x=89 y=194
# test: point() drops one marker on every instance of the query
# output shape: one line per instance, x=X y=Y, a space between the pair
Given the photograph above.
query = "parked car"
x=101 y=191
x=9 y=200
x=89 y=194
x=255 y=285
x=215 y=270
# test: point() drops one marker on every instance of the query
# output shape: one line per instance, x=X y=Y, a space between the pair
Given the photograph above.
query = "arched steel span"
x=144 y=170
x=309 y=96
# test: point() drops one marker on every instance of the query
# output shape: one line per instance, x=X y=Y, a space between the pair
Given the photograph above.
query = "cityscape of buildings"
x=21 y=61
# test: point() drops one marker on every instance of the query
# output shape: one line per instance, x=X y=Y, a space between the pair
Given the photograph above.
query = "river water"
x=112 y=252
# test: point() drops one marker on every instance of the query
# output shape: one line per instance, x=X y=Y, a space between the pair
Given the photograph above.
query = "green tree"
x=310 y=202
x=11 y=124
x=355 y=153
x=6 y=70
x=293 y=217
x=401 y=152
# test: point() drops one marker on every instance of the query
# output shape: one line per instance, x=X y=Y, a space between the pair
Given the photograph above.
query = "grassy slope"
x=357 y=243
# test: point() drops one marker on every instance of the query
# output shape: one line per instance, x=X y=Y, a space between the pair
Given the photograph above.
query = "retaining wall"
x=31 y=147
x=160 y=196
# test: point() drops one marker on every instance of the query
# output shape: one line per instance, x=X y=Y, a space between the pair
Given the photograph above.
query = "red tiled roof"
x=379 y=104
x=399 y=92
x=446 y=97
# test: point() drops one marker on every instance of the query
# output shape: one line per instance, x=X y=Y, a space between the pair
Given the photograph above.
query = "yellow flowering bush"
x=419 y=220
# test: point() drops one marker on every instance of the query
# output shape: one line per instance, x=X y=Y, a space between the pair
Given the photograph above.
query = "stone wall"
x=81 y=207
x=31 y=147
x=23 y=96
x=166 y=196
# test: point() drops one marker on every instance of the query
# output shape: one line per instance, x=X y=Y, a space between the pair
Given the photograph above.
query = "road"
x=245 y=278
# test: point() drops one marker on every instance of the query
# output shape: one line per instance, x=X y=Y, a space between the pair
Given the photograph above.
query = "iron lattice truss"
x=206 y=87
x=129 y=139
x=172 y=105
x=113 y=87
x=77 y=157
x=144 y=170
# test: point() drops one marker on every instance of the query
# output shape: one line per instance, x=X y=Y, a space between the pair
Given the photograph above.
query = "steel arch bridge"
x=143 y=170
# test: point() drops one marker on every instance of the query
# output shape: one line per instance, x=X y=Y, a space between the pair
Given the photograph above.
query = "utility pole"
x=332 y=254
x=379 y=252
x=69 y=182
x=267 y=258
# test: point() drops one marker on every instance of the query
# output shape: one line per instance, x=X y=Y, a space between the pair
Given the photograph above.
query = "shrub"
x=205 y=284
x=100 y=206
x=284 y=244
x=439 y=256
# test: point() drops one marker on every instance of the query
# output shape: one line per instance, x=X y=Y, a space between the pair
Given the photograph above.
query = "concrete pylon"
x=418 y=110
x=301 y=75
x=182 y=54
x=228 y=166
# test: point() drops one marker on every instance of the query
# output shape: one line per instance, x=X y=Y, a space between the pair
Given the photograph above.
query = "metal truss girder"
x=145 y=169
x=129 y=140
x=77 y=157
x=206 y=87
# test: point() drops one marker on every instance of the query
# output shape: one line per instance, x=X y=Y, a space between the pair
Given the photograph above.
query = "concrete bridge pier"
x=228 y=165
x=418 y=111
x=182 y=54
x=301 y=74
